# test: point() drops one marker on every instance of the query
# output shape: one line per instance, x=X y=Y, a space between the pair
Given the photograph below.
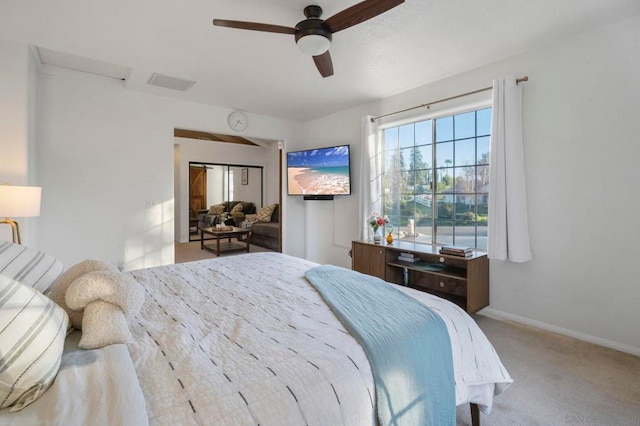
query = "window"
x=436 y=179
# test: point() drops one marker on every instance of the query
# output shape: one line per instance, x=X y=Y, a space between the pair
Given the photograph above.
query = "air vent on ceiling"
x=82 y=64
x=170 y=82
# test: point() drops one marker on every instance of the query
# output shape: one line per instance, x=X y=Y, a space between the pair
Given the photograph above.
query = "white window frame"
x=433 y=116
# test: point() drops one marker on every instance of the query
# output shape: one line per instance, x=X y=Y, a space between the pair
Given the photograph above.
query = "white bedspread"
x=245 y=340
x=95 y=387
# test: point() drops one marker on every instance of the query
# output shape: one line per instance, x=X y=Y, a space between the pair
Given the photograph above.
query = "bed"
x=246 y=340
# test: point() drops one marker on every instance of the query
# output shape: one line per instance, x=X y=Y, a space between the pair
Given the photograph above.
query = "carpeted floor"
x=187 y=252
x=558 y=380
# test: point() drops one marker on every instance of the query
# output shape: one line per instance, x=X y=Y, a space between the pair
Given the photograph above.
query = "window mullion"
x=434 y=185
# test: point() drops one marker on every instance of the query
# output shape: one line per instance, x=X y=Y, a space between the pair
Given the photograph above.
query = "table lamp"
x=18 y=201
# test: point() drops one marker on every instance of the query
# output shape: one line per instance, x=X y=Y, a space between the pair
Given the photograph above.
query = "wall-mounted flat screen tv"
x=321 y=172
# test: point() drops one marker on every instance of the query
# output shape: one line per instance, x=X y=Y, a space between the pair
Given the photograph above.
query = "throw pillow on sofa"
x=236 y=209
x=218 y=209
x=264 y=214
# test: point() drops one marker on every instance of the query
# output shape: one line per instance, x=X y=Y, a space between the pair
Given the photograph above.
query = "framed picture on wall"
x=245 y=176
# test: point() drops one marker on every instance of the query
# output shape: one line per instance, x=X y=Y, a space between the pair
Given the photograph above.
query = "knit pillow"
x=264 y=214
x=33 y=330
x=237 y=208
x=29 y=266
x=59 y=288
x=107 y=299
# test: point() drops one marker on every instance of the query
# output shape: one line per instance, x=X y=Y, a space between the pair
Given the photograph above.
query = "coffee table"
x=218 y=235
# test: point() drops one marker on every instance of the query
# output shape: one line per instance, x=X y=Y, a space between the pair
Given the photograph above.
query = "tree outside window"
x=436 y=179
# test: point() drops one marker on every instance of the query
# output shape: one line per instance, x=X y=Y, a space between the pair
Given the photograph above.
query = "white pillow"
x=59 y=289
x=29 y=266
x=32 y=333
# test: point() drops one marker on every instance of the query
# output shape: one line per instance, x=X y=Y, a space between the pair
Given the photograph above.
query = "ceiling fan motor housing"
x=319 y=37
x=312 y=26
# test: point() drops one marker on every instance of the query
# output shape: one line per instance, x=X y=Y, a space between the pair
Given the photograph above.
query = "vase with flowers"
x=377 y=223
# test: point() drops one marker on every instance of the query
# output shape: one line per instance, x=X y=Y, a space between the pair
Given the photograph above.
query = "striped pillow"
x=29 y=266
x=32 y=333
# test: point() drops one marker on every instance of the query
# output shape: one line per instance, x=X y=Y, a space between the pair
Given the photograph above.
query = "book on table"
x=456 y=251
x=409 y=257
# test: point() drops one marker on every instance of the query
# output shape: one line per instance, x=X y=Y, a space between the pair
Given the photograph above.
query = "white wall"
x=17 y=126
x=581 y=130
x=104 y=152
x=252 y=190
x=232 y=154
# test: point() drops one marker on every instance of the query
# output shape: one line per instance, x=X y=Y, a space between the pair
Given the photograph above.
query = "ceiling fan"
x=313 y=35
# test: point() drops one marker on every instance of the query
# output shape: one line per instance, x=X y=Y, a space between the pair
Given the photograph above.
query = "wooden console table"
x=461 y=280
x=218 y=234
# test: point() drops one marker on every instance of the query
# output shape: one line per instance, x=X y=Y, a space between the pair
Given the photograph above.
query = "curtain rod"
x=373 y=119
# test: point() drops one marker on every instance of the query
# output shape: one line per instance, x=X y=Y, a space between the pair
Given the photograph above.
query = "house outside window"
x=436 y=179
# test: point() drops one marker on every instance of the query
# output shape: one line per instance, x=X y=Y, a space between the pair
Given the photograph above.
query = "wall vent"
x=168 y=82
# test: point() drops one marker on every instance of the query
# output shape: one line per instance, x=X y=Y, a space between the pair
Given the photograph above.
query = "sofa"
x=266 y=234
x=207 y=220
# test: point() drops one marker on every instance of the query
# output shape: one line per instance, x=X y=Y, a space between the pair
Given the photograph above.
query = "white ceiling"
x=415 y=43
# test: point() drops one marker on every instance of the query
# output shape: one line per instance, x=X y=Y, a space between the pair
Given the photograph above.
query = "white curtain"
x=508 y=224
x=370 y=174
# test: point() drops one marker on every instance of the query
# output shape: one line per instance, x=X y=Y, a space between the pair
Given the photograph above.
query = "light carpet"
x=559 y=380
x=187 y=252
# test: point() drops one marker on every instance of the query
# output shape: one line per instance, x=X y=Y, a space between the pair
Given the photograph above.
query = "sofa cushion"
x=249 y=208
x=264 y=214
x=268 y=229
x=237 y=208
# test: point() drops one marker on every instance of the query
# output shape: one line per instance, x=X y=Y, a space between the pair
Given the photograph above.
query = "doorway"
x=265 y=153
x=221 y=184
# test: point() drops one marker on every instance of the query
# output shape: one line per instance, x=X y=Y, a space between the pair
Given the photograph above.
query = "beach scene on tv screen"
x=322 y=171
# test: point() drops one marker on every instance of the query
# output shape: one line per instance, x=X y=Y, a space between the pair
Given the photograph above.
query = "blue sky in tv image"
x=337 y=156
x=322 y=171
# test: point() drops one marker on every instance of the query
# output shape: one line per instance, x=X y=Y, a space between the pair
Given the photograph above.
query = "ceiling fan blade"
x=324 y=64
x=241 y=25
x=359 y=13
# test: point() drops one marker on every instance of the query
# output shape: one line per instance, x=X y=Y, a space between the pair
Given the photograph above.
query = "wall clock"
x=238 y=121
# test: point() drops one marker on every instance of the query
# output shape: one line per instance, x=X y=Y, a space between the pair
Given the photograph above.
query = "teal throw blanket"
x=407 y=345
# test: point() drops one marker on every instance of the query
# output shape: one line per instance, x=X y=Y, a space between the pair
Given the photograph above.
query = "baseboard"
x=499 y=315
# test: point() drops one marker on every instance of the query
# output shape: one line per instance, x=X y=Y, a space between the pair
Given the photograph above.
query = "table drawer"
x=442 y=284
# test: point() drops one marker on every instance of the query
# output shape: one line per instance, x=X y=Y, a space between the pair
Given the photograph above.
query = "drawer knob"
x=441 y=284
x=442 y=259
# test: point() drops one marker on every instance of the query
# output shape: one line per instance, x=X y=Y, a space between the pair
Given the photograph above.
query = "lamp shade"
x=313 y=44
x=19 y=201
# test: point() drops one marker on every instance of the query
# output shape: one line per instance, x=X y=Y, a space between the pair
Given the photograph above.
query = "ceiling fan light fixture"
x=313 y=44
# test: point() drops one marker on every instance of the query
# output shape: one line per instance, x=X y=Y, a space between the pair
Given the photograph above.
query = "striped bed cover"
x=246 y=340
